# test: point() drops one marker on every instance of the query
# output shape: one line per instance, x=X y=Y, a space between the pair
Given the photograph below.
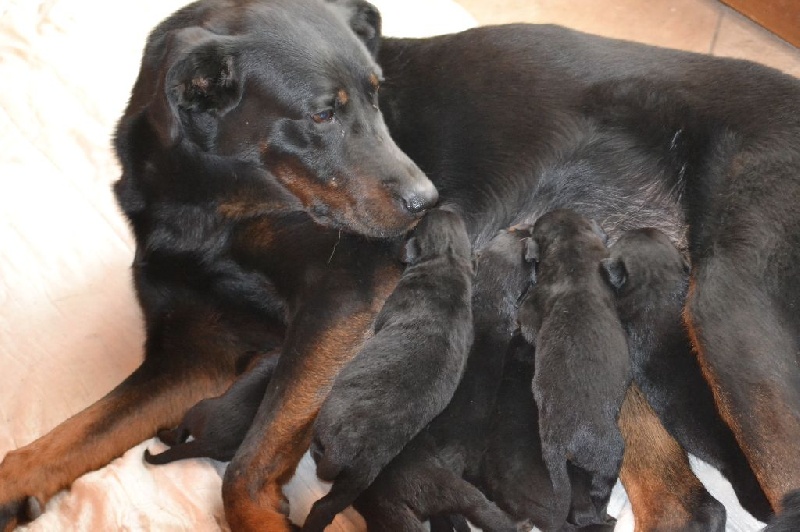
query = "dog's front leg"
x=324 y=334
x=186 y=360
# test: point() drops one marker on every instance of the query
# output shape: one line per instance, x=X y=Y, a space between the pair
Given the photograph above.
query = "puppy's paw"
x=174 y=436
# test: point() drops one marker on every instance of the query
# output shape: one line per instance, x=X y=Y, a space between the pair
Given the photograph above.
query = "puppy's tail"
x=191 y=449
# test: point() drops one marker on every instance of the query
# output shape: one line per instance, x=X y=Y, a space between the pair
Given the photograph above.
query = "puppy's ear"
x=202 y=83
x=615 y=271
x=531 y=250
x=599 y=232
x=687 y=268
x=365 y=20
x=411 y=251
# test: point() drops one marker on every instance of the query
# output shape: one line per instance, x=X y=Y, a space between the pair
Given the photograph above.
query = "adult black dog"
x=405 y=374
x=239 y=149
x=582 y=365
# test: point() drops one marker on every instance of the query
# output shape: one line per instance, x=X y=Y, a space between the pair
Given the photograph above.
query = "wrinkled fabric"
x=70 y=328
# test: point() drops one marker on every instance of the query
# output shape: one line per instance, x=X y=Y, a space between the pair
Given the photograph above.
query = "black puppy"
x=513 y=473
x=406 y=373
x=217 y=425
x=789 y=518
x=427 y=478
x=651 y=280
x=582 y=365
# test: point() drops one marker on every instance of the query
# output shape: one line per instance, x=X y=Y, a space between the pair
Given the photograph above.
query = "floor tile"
x=695 y=25
x=740 y=37
x=685 y=24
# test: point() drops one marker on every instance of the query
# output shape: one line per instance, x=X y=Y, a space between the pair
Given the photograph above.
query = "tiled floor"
x=697 y=25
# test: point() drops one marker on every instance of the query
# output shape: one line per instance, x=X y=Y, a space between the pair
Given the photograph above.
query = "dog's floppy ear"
x=615 y=271
x=202 y=82
x=599 y=232
x=411 y=251
x=687 y=267
x=531 y=250
x=365 y=21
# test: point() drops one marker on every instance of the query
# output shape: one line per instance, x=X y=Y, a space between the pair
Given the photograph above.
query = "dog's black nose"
x=421 y=199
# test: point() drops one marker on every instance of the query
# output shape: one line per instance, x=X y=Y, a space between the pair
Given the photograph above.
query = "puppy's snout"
x=421 y=198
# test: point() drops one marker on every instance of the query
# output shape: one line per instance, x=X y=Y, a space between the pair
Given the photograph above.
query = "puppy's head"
x=440 y=232
x=645 y=261
x=562 y=231
x=289 y=87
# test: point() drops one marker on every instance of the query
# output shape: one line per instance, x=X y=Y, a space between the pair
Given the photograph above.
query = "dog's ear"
x=411 y=251
x=365 y=21
x=615 y=271
x=531 y=250
x=687 y=267
x=599 y=232
x=202 y=82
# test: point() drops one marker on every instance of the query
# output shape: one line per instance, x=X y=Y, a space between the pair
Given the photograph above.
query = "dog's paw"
x=18 y=504
x=19 y=512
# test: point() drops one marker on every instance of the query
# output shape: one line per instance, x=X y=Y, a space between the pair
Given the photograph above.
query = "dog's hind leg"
x=744 y=296
x=747 y=341
x=664 y=492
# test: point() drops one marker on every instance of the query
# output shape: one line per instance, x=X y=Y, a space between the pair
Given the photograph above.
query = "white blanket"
x=70 y=328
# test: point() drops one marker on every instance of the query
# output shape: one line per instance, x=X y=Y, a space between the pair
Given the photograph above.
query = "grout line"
x=716 y=33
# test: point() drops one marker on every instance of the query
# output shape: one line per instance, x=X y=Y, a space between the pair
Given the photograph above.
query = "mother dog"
x=267 y=199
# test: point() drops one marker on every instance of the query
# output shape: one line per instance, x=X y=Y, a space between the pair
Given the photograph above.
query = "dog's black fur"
x=513 y=473
x=217 y=425
x=582 y=366
x=427 y=478
x=405 y=374
x=651 y=280
x=788 y=520
x=237 y=179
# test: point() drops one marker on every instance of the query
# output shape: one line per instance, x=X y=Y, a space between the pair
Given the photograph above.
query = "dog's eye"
x=323 y=116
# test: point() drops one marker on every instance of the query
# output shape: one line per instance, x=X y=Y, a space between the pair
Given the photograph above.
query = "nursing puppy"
x=217 y=425
x=651 y=280
x=789 y=518
x=406 y=373
x=582 y=365
x=427 y=478
x=513 y=473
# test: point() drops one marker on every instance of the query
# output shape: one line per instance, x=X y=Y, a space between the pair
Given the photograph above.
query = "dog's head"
x=290 y=87
x=645 y=261
x=440 y=232
x=564 y=232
